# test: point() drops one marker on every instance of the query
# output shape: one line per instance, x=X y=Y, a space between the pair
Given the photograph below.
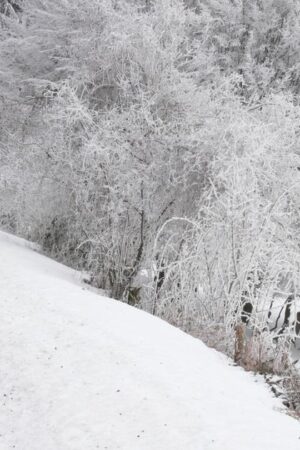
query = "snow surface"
x=80 y=371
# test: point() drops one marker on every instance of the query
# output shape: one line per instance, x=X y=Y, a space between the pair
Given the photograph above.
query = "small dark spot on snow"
x=118 y=390
x=138 y=436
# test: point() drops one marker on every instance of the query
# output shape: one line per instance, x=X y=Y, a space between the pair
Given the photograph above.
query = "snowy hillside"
x=82 y=372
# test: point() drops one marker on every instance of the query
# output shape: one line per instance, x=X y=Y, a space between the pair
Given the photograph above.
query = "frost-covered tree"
x=158 y=138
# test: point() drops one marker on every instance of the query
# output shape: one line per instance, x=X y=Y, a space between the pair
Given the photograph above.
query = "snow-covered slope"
x=81 y=372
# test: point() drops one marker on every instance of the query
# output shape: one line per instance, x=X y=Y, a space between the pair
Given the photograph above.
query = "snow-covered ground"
x=80 y=372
